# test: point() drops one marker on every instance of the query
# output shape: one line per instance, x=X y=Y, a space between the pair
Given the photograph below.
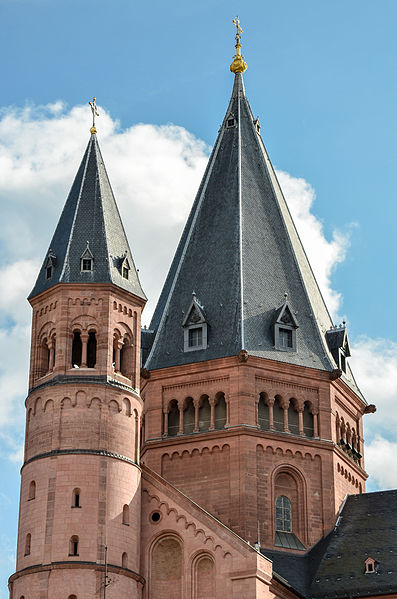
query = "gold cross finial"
x=238 y=65
x=94 y=114
x=239 y=31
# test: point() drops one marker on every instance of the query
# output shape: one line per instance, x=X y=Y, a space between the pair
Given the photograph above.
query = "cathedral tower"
x=80 y=499
x=251 y=408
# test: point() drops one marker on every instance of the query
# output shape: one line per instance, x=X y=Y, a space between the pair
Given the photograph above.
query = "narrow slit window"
x=76 y=498
x=74 y=545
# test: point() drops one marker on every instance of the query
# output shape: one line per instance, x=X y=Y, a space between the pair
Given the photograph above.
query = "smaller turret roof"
x=90 y=227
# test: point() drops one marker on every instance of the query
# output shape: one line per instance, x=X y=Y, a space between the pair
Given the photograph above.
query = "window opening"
x=76 y=349
x=74 y=545
x=76 y=498
x=28 y=543
x=126 y=515
x=32 y=490
x=125 y=272
x=285 y=338
x=91 y=350
x=195 y=337
x=48 y=272
x=173 y=419
x=283 y=514
x=86 y=264
x=124 y=560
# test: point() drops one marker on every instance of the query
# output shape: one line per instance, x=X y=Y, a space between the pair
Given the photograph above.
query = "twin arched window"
x=84 y=350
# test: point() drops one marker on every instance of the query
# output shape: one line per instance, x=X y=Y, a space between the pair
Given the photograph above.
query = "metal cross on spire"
x=236 y=21
x=94 y=114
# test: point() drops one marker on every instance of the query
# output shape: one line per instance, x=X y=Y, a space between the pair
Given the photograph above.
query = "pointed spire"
x=238 y=65
x=241 y=254
x=89 y=244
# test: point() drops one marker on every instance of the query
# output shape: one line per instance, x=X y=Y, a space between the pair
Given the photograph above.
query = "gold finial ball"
x=93 y=130
x=238 y=65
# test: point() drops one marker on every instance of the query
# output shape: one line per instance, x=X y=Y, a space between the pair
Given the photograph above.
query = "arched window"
x=126 y=358
x=76 y=498
x=203 y=578
x=293 y=418
x=173 y=418
x=74 y=545
x=278 y=414
x=28 y=543
x=308 y=421
x=91 y=350
x=188 y=416
x=126 y=515
x=263 y=412
x=76 y=349
x=166 y=572
x=124 y=560
x=32 y=490
x=72 y=597
x=220 y=411
x=204 y=414
x=283 y=514
x=44 y=358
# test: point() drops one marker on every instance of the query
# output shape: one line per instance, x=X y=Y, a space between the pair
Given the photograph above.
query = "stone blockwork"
x=80 y=482
x=188 y=553
x=279 y=437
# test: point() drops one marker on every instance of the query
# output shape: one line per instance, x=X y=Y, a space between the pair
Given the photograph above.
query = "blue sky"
x=322 y=78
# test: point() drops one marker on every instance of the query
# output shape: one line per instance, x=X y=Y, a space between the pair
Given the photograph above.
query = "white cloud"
x=324 y=255
x=381 y=463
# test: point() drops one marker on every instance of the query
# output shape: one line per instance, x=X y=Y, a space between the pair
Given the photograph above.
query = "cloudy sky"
x=321 y=77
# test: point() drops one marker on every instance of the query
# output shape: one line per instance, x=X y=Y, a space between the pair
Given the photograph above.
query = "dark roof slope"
x=335 y=566
x=90 y=215
x=240 y=253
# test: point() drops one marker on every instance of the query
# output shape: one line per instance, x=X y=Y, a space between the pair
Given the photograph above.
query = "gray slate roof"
x=240 y=253
x=90 y=214
x=335 y=567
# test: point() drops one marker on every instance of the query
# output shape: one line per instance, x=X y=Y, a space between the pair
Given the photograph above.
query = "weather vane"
x=238 y=65
x=94 y=114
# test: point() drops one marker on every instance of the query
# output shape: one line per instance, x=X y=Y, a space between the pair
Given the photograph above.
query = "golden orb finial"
x=238 y=65
x=94 y=114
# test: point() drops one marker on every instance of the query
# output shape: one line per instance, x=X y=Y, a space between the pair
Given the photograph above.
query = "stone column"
x=270 y=403
x=212 y=406
x=51 y=347
x=119 y=345
x=196 y=415
x=165 y=422
x=285 y=406
x=84 y=341
x=315 y=422
x=180 y=406
x=300 y=416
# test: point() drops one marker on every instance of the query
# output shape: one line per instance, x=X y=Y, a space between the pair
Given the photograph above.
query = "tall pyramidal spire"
x=89 y=244
x=241 y=255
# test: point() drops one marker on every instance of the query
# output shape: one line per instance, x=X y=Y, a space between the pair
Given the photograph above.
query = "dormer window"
x=230 y=121
x=370 y=565
x=257 y=125
x=50 y=265
x=125 y=268
x=195 y=327
x=87 y=260
x=338 y=344
x=285 y=326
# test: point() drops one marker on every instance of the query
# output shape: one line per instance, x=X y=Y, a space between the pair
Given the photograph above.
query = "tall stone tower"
x=80 y=499
x=251 y=408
